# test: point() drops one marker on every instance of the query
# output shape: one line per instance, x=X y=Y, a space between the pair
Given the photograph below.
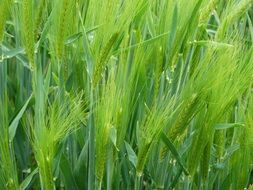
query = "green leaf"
x=67 y=173
x=10 y=53
x=131 y=154
x=227 y=125
x=81 y=166
x=113 y=136
x=76 y=36
x=230 y=151
x=174 y=151
x=176 y=178
x=83 y=156
x=28 y=179
x=73 y=38
x=214 y=44
x=14 y=124
x=143 y=43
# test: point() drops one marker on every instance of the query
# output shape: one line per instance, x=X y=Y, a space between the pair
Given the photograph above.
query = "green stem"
x=7 y=159
x=137 y=182
x=47 y=176
x=91 y=133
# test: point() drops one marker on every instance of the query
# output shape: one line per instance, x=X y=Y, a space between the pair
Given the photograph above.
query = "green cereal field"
x=126 y=94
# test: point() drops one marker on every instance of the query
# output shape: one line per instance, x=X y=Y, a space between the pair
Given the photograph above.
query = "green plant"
x=126 y=94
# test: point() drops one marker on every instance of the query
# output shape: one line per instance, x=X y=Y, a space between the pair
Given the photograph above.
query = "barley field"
x=126 y=94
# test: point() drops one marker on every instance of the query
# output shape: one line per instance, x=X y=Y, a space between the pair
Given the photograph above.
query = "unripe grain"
x=219 y=139
x=207 y=10
x=184 y=117
x=39 y=18
x=142 y=157
x=101 y=153
x=103 y=58
x=158 y=71
x=28 y=30
x=197 y=148
x=236 y=12
x=181 y=123
x=205 y=160
x=4 y=10
x=65 y=11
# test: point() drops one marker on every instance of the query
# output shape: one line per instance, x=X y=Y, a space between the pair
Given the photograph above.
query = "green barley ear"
x=39 y=17
x=198 y=145
x=184 y=117
x=178 y=129
x=206 y=12
x=62 y=25
x=28 y=30
x=4 y=11
x=103 y=58
x=142 y=157
x=233 y=14
x=101 y=150
x=150 y=129
x=158 y=70
x=219 y=142
x=63 y=118
x=104 y=114
x=205 y=162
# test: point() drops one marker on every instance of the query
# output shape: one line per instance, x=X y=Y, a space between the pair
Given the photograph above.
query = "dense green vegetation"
x=126 y=94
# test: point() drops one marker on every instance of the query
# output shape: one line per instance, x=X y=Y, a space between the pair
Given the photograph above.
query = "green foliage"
x=126 y=94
